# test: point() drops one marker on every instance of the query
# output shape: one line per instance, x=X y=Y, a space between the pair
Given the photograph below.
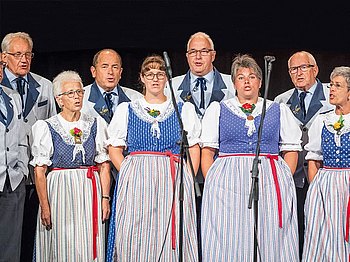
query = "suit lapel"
x=218 y=86
x=32 y=95
x=5 y=81
x=122 y=97
x=315 y=103
x=9 y=109
x=186 y=92
x=99 y=103
x=295 y=106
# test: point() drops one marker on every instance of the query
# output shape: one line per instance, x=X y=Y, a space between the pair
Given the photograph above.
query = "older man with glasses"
x=37 y=103
x=201 y=85
x=306 y=100
x=13 y=170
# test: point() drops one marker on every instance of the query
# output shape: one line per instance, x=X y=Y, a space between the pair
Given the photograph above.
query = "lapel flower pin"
x=337 y=126
x=296 y=109
x=188 y=97
x=77 y=134
x=104 y=111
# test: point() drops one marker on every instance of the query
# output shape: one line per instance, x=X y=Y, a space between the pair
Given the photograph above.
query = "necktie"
x=2 y=115
x=109 y=103
x=20 y=88
x=201 y=82
x=302 y=103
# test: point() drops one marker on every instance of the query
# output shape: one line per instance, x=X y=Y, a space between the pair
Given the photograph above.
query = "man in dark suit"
x=306 y=100
x=37 y=102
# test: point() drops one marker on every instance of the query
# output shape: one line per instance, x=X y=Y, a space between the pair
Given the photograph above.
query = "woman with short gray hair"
x=327 y=206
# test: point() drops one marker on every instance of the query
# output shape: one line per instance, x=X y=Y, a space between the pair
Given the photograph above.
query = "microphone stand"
x=184 y=151
x=254 y=191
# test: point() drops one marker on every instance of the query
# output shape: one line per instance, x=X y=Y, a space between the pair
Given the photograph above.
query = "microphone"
x=269 y=58
x=167 y=64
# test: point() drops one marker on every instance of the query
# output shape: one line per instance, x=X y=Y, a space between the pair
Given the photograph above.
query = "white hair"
x=64 y=77
x=6 y=42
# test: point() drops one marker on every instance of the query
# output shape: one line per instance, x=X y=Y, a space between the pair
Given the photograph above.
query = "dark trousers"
x=301 y=196
x=11 y=218
x=29 y=223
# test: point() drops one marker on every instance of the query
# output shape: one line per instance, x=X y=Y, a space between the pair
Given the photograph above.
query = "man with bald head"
x=102 y=97
x=306 y=100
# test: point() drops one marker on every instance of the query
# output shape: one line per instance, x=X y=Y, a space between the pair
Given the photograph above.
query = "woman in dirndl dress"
x=145 y=225
x=327 y=206
x=230 y=128
x=72 y=179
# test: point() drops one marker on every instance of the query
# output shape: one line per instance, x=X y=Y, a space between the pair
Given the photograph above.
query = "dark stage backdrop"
x=67 y=34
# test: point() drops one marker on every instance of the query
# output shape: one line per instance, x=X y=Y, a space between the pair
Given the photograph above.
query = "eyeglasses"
x=337 y=86
x=19 y=55
x=2 y=64
x=303 y=68
x=150 y=76
x=203 y=52
x=70 y=94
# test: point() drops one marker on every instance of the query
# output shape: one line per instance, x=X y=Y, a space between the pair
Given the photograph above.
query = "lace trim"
x=87 y=122
x=329 y=120
x=143 y=115
x=233 y=105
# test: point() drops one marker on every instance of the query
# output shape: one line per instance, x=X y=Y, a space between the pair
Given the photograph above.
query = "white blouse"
x=314 y=147
x=290 y=133
x=118 y=128
x=42 y=147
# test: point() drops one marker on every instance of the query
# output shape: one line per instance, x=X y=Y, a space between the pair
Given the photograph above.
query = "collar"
x=115 y=90
x=208 y=77
x=311 y=89
x=12 y=78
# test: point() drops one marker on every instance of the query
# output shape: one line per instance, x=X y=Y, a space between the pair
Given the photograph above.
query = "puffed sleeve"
x=290 y=133
x=118 y=128
x=101 y=137
x=42 y=147
x=191 y=123
x=314 y=145
x=210 y=126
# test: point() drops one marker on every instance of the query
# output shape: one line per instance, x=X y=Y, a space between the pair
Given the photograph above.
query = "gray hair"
x=343 y=71
x=246 y=61
x=64 y=77
x=311 y=58
x=6 y=42
x=200 y=35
